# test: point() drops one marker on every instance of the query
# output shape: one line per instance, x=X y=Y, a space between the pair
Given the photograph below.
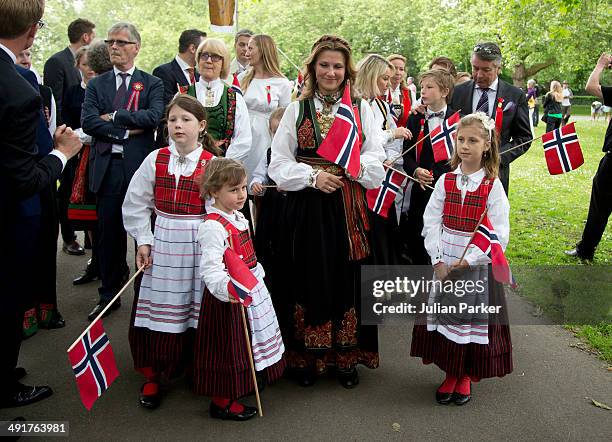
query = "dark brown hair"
x=219 y=172
x=79 y=27
x=194 y=107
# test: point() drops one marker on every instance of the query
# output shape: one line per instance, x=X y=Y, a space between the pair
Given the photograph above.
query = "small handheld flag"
x=242 y=281
x=381 y=199
x=299 y=84
x=342 y=145
x=189 y=90
x=562 y=150
x=236 y=85
x=443 y=138
x=93 y=364
x=486 y=240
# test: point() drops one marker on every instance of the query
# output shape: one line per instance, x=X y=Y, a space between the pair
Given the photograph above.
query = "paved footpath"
x=547 y=397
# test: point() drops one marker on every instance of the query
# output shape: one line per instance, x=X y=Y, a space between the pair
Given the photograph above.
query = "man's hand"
x=105 y=117
x=66 y=141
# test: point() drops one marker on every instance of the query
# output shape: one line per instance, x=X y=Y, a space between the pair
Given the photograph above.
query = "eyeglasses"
x=208 y=56
x=41 y=24
x=120 y=43
x=487 y=50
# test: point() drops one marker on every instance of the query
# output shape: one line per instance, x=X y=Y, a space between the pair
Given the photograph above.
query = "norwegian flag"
x=93 y=364
x=562 y=150
x=242 y=281
x=443 y=138
x=486 y=240
x=236 y=85
x=342 y=144
x=381 y=199
x=299 y=84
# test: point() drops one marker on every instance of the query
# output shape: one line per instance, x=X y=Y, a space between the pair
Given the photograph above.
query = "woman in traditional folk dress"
x=466 y=347
x=228 y=116
x=221 y=367
x=401 y=95
x=372 y=82
x=265 y=88
x=167 y=308
x=326 y=226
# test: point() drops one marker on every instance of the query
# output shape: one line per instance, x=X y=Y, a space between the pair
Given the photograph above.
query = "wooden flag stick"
x=251 y=362
x=473 y=234
x=522 y=144
x=407 y=176
x=127 y=284
x=269 y=186
x=248 y=343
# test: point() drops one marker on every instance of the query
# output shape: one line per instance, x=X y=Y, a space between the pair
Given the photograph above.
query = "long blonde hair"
x=556 y=90
x=269 y=59
x=490 y=158
x=327 y=43
x=369 y=70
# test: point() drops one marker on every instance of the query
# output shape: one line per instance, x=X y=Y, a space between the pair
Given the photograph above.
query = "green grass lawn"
x=547 y=217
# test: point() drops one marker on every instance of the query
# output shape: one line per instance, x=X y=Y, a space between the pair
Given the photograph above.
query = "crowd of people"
x=210 y=154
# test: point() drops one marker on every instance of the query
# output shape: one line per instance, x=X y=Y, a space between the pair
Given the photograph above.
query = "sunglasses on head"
x=486 y=50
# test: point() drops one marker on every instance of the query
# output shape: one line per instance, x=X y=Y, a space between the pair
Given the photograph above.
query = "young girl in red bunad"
x=478 y=346
x=167 y=307
x=223 y=369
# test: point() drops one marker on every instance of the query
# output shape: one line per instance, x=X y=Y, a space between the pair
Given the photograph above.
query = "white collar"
x=192 y=156
x=235 y=218
x=475 y=177
x=183 y=65
x=9 y=52
x=83 y=85
x=493 y=86
x=130 y=71
x=210 y=84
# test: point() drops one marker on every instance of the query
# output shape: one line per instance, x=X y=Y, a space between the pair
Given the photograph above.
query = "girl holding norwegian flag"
x=468 y=343
x=223 y=371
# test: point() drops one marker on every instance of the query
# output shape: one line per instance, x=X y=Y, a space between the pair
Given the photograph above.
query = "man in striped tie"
x=505 y=103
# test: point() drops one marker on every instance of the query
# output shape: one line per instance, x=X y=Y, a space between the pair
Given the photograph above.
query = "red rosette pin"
x=138 y=86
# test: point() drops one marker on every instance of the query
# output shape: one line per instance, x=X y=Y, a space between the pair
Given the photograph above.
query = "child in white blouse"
x=479 y=346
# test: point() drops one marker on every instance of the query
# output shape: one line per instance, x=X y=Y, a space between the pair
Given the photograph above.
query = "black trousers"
x=63 y=199
x=599 y=208
x=536 y=115
x=552 y=123
x=45 y=283
x=19 y=242
x=111 y=235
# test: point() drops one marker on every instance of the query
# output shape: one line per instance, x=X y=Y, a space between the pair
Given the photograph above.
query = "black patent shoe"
x=217 y=412
x=150 y=401
x=90 y=274
x=26 y=395
x=462 y=399
x=444 y=398
x=348 y=378
x=100 y=306
x=305 y=377
x=73 y=248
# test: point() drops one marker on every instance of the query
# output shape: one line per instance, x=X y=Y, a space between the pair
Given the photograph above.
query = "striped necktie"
x=192 y=79
x=483 y=102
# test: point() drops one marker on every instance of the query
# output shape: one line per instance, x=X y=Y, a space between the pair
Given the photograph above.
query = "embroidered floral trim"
x=306 y=136
x=347 y=334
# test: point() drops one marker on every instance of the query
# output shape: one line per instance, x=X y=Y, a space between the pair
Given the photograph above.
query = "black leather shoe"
x=89 y=275
x=305 y=377
x=461 y=399
x=19 y=373
x=56 y=321
x=575 y=253
x=444 y=398
x=225 y=413
x=26 y=395
x=349 y=378
x=150 y=401
x=73 y=248
x=101 y=305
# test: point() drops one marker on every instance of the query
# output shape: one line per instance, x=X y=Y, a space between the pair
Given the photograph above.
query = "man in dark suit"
x=485 y=93
x=22 y=175
x=122 y=109
x=60 y=74
x=182 y=70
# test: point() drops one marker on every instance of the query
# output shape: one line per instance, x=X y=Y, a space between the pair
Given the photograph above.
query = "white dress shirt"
x=118 y=148
x=139 y=201
x=393 y=147
x=498 y=214
x=292 y=176
x=185 y=68
x=240 y=144
x=491 y=96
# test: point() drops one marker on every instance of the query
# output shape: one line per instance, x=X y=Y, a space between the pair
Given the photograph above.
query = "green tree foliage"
x=553 y=39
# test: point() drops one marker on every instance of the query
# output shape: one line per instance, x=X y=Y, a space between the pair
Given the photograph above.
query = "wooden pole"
x=251 y=362
x=127 y=284
x=473 y=234
x=522 y=144
x=408 y=176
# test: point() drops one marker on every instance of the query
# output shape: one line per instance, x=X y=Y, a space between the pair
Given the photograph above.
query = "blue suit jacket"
x=99 y=97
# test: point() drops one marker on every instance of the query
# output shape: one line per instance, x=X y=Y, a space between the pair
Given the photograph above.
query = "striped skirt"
x=221 y=364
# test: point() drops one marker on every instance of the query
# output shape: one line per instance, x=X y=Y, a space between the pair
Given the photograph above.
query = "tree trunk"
x=521 y=72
